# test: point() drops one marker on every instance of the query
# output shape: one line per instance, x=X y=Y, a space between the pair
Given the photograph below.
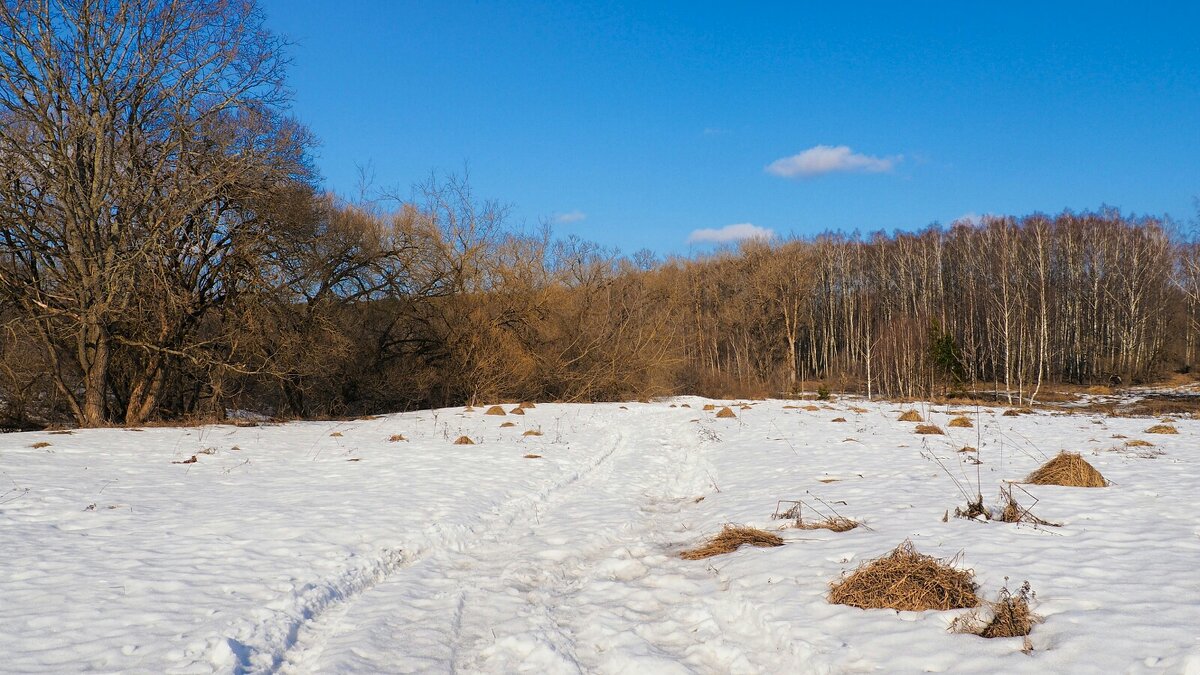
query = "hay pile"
x=1010 y=616
x=495 y=410
x=709 y=406
x=911 y=416
x=532 y=432
x=929 y=429
x=964 y=422
x=396 y=438
x=1138 y=443
x=908 y=581
x=464 y=440
x=726 y=412
x=838 y=419
x=1162 y=429
x=730 y=539
x=1069 y=469
x=528 y=405
x=811 y=408
x=508 y=424
x=517 y=411
x=834 y=523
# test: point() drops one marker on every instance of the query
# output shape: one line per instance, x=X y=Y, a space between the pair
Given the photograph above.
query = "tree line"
x=166 y=253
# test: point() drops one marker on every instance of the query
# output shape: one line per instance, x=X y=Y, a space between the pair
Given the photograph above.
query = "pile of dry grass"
x=533 y=456
x=528 y=405
x=1162 y=429
x=1015 y=513
x=495 y=410
x=1138 y=443
x=517 y=411
x=1010 y=616
x=834 y=523
x=508 y=424
x=726 y=412
x=394 y=438
x=731 y=539
x=964 y=422
x=709 y=406
x=911 y=416
x=812 y=408
x=39 y=445
x=908 y=581
x=532 y=432
x=1069 y=469
x=857 y=410
x=464 y=440
x=838 y=419
x=929 y=429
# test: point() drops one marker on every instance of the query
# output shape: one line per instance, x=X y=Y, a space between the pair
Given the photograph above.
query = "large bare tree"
x=136 y=140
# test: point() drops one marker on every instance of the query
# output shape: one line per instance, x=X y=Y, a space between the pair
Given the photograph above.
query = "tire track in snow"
x=278 y=643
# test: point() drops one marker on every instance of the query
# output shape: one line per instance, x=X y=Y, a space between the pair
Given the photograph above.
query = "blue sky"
x=646 y=125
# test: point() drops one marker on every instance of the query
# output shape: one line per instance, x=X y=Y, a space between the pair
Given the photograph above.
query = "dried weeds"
x=911 y=416
x=731 y=539
x=906 y=580
x=929 y=429
x=1069 y=469
x=962 y=422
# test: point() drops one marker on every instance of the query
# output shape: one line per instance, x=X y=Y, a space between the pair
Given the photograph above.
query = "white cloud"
x=569 y=217
x=729 y=233
x=822 y=159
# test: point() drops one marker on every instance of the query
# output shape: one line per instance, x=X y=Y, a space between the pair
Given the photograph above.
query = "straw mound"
x=834 y=523
x=517 y=411
x=533 y=456
x=908 y=581
x=1069 y=469
x=396 y=437
x=964 y=422
x=495 y=410
x=1162 y=429
x=1138 y=443
x=464 y=440
x=508 y=424
x=709 y=406
x=527 y=404
x=856 y=409
x=726 y=412
x=929 y=429
x=967 y=448
x=730 y=539
x=1010 y=616
x=532 y=432
x=838 y=419
x=911 y=416
x=1012 y=412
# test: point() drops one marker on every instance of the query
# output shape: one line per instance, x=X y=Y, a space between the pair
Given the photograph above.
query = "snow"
x=327 y=547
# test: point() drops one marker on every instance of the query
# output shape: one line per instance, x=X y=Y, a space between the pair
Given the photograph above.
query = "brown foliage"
x=906 y=580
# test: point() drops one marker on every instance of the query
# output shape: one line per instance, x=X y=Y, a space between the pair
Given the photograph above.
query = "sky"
x=678 y=126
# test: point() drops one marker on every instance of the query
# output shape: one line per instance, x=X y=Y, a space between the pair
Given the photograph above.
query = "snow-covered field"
x=328 y=547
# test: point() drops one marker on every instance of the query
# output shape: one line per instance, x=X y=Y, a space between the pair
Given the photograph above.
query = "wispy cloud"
x=569 y=217
x=736 y=232
x=823 y=159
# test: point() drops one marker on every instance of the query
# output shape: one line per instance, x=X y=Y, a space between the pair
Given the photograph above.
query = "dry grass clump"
x=1162 y=429
x=495 y=410
x=1138 y=443
x=517 y=411
x=1010 y=616
x=911 y=416
x=908 y=581
x=812 y=408
x=39 y=445
x=395 y=438
x=464 y=440
x=964 y=422
x=929 y=429
x=1069 y=469
x=1012 y=412
x=726 y=412
x=731 y=539
x=508 y=424
x=834 y=523
x=838 y=419
x=528 y=405
x=532 y=456
x=857 y=410
x=532 y=432
x=709 y=406
x=967 y=448
x=336 y=434
x=1015 y=513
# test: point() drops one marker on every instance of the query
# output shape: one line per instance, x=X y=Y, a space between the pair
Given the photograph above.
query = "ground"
x=331 y=547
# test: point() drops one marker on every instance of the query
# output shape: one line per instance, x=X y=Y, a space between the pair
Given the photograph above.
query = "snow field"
x=278 y=553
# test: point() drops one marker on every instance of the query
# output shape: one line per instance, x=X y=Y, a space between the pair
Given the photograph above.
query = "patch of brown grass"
x=709 y=406
x=1162 y=429
x=911 y=416
x=395 y=438
x=495 y=410
x=834 y=523
x=1069 y=469
x=1012 y=412
x=517 y=411
x=967 y=448
x=533 y=456
x=532 y=432
x=726 y=412
x=39 y=445
x=731 y=539
x=963 y=422
x=1138 y=443
x=336 y=434
x=838 y=419
x=1008 y=616
x=464 y=440
x=857 y=410
x=1015 y=513
x=929 y=429
x=906 y=580
x=508 y=424
x=527 y=405
x=812 y=408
